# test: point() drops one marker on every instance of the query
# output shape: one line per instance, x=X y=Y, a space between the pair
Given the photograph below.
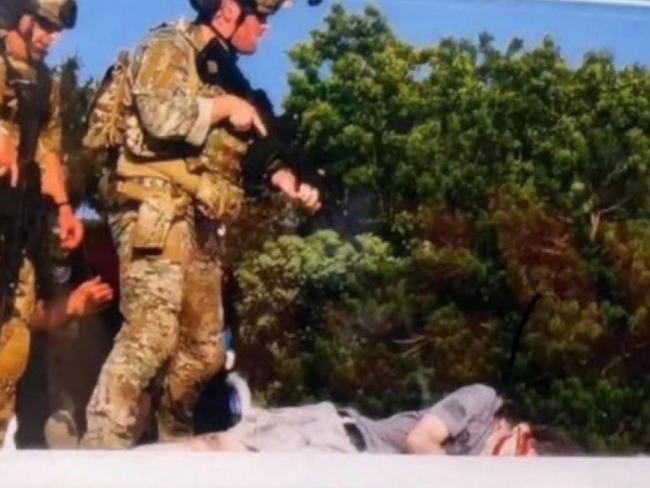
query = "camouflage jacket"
x=171 y=109
x=50 y=140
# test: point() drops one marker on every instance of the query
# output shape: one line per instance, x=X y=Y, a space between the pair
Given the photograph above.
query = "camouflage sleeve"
x=165 y=99
x=49 y=153
x=51 y=139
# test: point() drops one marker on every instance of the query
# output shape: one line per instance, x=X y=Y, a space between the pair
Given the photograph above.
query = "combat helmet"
x=60 y=14
x=206 y=8
x=57 y=14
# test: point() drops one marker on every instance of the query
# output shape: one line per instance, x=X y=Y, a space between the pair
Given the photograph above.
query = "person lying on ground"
x=469 y=421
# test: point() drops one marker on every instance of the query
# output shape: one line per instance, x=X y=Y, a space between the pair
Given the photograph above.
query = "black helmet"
x=207 y=8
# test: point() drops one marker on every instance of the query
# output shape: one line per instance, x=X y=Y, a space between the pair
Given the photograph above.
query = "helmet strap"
x=240 y=21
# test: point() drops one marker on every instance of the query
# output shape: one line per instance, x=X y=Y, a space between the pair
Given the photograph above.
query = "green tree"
x=494 y=176
x=491 y=176
x=82 y=165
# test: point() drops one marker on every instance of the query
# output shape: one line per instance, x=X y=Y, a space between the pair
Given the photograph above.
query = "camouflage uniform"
x=14 y=334
x=167 y=241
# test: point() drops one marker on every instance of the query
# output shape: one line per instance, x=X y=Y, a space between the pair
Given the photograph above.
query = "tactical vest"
x=107 y=115
x=8 y=100
x=114 y=121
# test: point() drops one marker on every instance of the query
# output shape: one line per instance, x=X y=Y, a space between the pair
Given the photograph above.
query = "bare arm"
x=286 y=181
x=71 y=229
x=8 y=142
x=8 y=156
x=428 y=436
x=449 y=417
x=50 y=160
x=86 y=299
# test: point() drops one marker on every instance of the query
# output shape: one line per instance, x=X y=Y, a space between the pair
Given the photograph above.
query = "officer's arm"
x=49 y=151
x=163 y=94
x=8 y=155
x=241 y=114
x=451 y=416
x=8 y=143
x=49 y=158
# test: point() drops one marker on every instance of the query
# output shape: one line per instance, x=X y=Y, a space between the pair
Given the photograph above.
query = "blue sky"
x=621 y=27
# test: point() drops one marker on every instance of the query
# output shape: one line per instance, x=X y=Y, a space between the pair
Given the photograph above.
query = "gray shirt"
x=469 y=413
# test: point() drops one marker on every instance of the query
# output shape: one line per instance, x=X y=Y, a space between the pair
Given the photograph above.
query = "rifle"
x=217 y=66
x=22 y=209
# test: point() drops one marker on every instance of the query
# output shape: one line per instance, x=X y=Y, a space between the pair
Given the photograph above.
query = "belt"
x=144 y=188
x=353 y=432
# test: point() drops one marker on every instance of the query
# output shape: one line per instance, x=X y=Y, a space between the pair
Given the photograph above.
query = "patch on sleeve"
x=455 y=409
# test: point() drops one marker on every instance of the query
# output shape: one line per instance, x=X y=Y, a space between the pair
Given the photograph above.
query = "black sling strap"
x=22 y=209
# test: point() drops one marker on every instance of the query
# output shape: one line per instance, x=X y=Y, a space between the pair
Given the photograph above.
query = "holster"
x=155 y=218
x=217 y=196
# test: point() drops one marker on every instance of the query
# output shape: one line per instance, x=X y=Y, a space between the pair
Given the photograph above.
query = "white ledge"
x=196 y=470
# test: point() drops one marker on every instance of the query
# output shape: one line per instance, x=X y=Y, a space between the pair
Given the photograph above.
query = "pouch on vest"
x=107 y=115
x=218 y=198
x=155 y=218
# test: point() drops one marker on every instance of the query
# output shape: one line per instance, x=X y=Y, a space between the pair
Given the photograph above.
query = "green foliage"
x=82 y=165
x=628 y=249
x=495 y=176
x=602 y=415
x=337 y=319
x=447 y=124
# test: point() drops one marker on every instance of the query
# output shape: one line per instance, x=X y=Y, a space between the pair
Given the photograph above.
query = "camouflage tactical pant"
x=171 y=302
x=14 y=343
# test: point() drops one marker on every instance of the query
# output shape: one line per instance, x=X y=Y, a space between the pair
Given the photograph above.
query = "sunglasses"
x=47 y=25
x=249 y=10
